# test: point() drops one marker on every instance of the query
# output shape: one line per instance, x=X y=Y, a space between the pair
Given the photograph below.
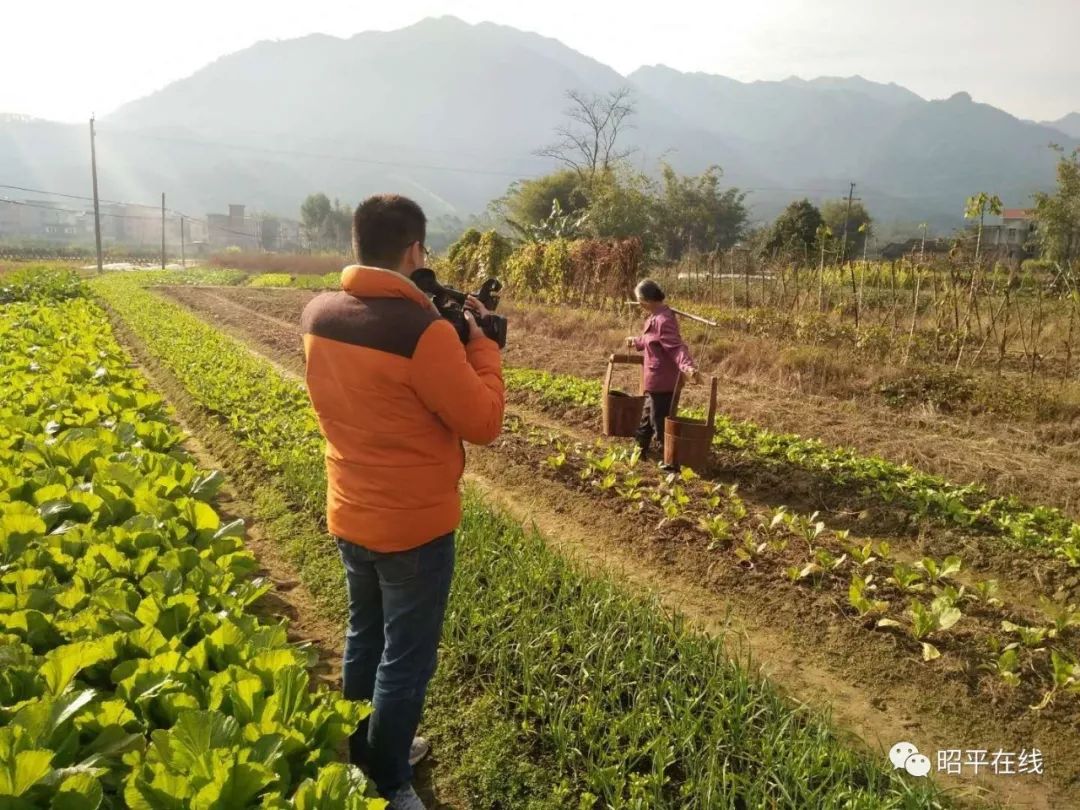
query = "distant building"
x=39 y=221
x=140 y=227
x=261 y=232
x=897 y=250
x=234 y=229
x=289 y=236
x=136 y=226
x=279 y=235
x=123 y=226
x=1014 y=236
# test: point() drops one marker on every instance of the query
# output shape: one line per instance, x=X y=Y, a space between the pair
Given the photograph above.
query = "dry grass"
x=834 y=396
x=1017 y=321
x=293 y=263
x=825 y=370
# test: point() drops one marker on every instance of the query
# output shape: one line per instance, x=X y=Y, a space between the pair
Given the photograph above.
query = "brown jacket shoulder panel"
x=392 y=325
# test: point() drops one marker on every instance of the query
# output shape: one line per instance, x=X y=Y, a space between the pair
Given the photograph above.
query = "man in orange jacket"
x=396 y=393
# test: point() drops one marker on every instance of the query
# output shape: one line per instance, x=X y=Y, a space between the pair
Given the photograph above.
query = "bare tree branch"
x=589 y=147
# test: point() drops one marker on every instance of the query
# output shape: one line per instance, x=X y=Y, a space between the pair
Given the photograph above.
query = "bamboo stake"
x=914 y=316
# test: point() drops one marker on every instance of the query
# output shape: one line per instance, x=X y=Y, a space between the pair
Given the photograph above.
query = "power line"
x=72 y=196
x=83 y=211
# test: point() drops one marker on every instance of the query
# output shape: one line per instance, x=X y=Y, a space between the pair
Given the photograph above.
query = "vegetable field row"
x=921 y=600
x=132 y=670
x=633 y=709
x=969 y=507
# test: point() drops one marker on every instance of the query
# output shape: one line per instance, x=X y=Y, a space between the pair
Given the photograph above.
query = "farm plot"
x=1017 y=434
x=135 y=673
x=628 y=707
x=899 y=497
x=924 y=607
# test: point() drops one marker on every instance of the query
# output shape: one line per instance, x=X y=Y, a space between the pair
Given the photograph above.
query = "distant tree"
x=340 y=229
x=622 y=203
x=754 y=239
x=1058 y=215
x=588 y=142
x=617 y=202
x=556 y=225
x=977 y=207
x=326 y=225
x=795 y=232
x=527 y=203
x=678 y=214
x=693 y=213
x=314 y=213
x=858 y=225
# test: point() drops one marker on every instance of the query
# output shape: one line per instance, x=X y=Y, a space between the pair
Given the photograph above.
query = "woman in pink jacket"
x=665 y=356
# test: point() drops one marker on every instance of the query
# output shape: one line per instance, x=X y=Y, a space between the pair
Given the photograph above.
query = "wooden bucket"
x=622 y=411
x=687 y=441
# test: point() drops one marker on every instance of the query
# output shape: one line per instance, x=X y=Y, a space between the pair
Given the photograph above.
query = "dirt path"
x=812 y=665
x=873 y=692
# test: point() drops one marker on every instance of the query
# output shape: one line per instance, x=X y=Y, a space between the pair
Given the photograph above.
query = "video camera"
x=451 y=305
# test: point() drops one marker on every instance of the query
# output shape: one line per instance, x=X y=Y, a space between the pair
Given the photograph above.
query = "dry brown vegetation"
x=295 y=264
x=951 y=311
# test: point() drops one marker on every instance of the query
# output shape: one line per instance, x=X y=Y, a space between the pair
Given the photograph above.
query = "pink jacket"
x=665 y=352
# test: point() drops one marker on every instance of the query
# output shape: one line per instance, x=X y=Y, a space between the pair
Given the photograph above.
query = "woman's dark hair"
x=649 y=290
x=384 y=226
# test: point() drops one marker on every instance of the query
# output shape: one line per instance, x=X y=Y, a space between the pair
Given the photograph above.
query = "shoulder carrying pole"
x=692 y=317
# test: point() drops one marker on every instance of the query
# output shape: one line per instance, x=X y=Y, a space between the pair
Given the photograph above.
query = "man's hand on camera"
x=474 y=328
x=473 y=303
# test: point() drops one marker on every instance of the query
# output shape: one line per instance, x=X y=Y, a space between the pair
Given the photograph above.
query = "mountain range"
x=452 y=113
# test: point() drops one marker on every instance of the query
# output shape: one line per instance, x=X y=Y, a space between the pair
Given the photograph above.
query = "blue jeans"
x=397 y=601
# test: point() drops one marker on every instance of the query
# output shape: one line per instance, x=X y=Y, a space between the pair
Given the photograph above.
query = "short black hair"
x=649 y=290
x=383 y=228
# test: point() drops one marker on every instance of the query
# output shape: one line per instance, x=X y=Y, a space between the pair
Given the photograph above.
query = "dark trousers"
x=657 y=408
x=397 y=602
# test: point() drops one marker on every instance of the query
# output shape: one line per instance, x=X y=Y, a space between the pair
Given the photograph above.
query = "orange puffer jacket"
x=396 y=393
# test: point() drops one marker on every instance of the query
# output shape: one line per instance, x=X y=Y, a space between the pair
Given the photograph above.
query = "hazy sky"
x=67 y=58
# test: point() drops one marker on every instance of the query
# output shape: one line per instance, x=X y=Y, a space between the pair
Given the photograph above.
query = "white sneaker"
x=406 y=799
x=418 y=750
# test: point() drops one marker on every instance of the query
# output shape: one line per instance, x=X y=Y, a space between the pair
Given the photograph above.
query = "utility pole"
x=97 y=209
x=922 y=247
x=847 y=216
x=163 y=230
x=183 y=259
